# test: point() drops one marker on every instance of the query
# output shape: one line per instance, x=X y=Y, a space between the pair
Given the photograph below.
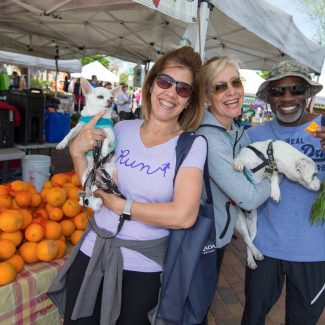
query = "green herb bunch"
x=317 y=213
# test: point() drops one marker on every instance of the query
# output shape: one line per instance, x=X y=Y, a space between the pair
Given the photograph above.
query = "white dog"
x=97 y=99
x=267 y=159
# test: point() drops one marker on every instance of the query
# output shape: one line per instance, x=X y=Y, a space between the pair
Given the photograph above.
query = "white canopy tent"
x=33 y=61
x=96 y=68
x=139 y=31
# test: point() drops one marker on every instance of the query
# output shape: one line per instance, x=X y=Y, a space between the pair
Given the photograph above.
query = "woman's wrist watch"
x=126 y=214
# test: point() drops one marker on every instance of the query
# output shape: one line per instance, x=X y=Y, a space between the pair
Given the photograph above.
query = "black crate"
x=6 y=128
x=31 y=105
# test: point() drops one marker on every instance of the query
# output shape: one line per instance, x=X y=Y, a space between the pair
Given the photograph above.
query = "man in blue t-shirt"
x=293 y=248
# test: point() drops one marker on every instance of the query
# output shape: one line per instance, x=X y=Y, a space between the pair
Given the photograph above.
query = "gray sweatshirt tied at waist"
x=106 y=261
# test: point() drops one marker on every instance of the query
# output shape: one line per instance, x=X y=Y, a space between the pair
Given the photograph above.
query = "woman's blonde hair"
x=186 y=57
x=214 y=66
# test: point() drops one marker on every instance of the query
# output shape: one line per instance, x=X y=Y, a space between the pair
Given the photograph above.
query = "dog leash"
x=105 y=178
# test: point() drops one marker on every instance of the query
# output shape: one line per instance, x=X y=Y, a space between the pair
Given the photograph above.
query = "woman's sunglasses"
x=295 y=90
x=165 y=81
x=222 y=86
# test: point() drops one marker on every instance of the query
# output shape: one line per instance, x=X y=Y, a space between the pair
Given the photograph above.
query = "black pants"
x=305 y=291
x=139 y=295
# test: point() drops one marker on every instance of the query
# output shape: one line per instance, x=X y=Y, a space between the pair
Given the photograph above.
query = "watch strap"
x=126 y=214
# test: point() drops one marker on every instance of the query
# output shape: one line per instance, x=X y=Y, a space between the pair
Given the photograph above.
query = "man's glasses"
x=222 y=86
x=165 y=81
x=295 y=90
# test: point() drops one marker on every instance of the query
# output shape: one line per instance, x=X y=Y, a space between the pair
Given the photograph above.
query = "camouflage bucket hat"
x=288 y=69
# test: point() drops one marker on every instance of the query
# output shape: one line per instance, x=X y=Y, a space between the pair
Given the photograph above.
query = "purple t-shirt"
x=144 y=175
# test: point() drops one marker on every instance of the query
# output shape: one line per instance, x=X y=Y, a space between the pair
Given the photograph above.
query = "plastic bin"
x=57 y=126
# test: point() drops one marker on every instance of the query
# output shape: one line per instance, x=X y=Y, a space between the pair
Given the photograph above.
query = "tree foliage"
x=264 y=74
x=123 y=78
x=315 y=9
x=98 y=57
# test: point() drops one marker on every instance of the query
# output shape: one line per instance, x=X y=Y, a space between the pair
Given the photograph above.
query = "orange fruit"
x=46 y=250
x=17 y=186
x=8 y=273
x=4 y=190
x=34 y=232
x=62 y=248
x=68 y=227
x=76 y=236
x=56 y=196
x=71 y=208
x=5 y=201
x=59 y=179
x=28 y=252
x=66 y=186
x=75 y=180
x=52 y=230
x=27 y=217
x=36 y=200
x=47 y=184
x=312 y=127
x=16 y=237
x=23 y=199
x=43 y=194
x=40 y=213
x=11 y=220
x=7 y=249
x=81 y=221
x=56 y=214
x=73 y=192
x=17 y=261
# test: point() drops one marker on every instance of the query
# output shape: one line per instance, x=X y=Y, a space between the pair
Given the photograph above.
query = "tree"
x=123 y=78
x=98 y=57
x=264 y=74
x=315 y=9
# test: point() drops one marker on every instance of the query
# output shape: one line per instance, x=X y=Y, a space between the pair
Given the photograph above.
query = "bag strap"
x=184 y=145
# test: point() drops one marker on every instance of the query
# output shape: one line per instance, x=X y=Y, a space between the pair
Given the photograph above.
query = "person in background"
x=66 y=84
x=79 y=99
x=94 y=81
x=293 y=248
x=224 y=92
x=138 y=97
x=108 y=85
x=173 y=102
x=123 y=102
x=14 y=81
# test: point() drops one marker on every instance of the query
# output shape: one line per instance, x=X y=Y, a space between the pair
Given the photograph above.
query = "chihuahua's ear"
x=86 y=86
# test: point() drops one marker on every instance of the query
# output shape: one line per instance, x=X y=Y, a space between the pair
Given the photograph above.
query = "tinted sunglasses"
x=295 y=90
x=165 y=81
x=222 y=86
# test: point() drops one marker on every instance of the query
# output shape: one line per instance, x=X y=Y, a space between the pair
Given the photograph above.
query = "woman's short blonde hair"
x=186 y=57
x=214 y=66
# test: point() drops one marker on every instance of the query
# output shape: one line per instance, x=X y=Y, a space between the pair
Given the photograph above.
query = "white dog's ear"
x=85 y=86
x=301 y=166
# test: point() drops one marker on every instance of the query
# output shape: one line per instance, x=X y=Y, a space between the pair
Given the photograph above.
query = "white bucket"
x=36 y=169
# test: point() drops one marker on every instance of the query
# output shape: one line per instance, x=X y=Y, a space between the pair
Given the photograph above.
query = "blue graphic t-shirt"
x=284 y=230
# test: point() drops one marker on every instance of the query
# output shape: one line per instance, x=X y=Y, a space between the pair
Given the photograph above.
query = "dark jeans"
x=139 y=295
x=125 y=116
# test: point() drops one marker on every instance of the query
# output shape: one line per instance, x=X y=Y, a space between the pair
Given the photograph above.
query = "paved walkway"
x=228 y=304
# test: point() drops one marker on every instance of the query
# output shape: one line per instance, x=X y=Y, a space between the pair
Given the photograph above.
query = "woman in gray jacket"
x=224 y=91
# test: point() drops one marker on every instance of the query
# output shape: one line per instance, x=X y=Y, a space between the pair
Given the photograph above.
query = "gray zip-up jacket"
x=229 y=187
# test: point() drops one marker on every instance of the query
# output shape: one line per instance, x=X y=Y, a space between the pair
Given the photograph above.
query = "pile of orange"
x=36 y=226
